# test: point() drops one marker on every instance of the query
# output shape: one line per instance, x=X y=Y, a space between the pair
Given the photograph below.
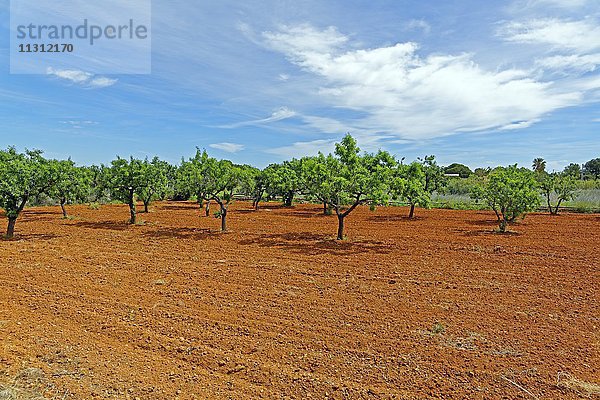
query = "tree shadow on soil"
x=183 y=206
x=245 y=211
x=42 y=212
x=181 y=233
x=29 y=236
x=315 y=244
x=274 y=206
x=481 y=222
x=104 y=225
x=490 y=233
x=308 y=213
x=394 y=218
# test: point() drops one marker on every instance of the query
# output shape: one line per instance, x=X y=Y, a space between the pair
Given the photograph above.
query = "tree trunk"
x=146 y=204
x=502 y=225
x=340 y=234
x=63 y=208
x=497 y=213
x=207 y=209
x=10 y=231
x=549 y=205
x=223 y=219
x=324 y=208
x=411 y=215
x=557 y=207
x=289 y=199
x=132 y=209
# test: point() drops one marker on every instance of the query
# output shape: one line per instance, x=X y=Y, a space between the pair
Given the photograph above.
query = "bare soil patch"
x=439 y=307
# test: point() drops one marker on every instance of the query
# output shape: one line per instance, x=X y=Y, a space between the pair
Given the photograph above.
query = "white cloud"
x=75 y=124
x=399 y=93
x=82 y=78
x=228 y=147
x=567 y=4
x=582 y=36
x=419 y=24
x=519 y=125
x=306 y=39
x=102 y=82
x=278 y=115
x=310 y=148
x=570 y=63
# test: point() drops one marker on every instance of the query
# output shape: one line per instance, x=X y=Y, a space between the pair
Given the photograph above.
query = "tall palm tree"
x=539 y=164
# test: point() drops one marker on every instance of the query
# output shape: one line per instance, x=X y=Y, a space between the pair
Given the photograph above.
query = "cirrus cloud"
x=228 y=147
x=82 y=78
x=398 y=92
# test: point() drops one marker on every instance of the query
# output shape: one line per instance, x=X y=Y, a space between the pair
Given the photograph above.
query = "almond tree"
x=560 y=187
x=511 y=192
x=73 y=184
x=155 y=183
x=409 y=183
x=284 y=180
x=126 y=180
x=435 y=180
x=190 y=177
x=348 y=179
x=219 y=180
x=316 y=171
x=252 y=184
x=22 y=176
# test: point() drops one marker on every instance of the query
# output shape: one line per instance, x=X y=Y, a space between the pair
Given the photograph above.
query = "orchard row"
x=340 y=182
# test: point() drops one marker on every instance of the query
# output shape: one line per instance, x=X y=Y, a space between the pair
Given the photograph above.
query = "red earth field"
x=437 y=307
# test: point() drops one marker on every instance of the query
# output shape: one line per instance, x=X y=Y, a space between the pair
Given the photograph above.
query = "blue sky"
x=481 y=83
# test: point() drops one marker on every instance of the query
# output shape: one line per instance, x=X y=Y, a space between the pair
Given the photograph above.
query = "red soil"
x=276 y=308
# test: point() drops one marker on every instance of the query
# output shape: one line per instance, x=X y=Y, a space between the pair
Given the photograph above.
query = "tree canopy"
x=22 y=176
x=511 y=192
x=347 y=178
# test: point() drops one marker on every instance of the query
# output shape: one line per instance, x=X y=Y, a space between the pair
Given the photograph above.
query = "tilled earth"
x=437 y=307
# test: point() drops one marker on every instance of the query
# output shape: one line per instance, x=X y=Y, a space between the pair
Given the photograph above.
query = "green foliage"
x=190 y=176
x=592 y=184
x=212 y=179
x=252 y=183
x=347 y=178
x=538 y=165
x=511 y=192
x=462 y=186
x=154 y=181
x=592 y=168
x=573 y=170
x=482 y=172
x=125 y=178
x=557 y=187
x=73 y=184
x=408 y=183
x=22 y=176
x=435 y=180
x=99 y=183
x=284 y=180
x=462 y=170
x=438 y=328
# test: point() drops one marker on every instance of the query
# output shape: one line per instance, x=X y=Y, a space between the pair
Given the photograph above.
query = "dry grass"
x=29 y=384
x=566 y=381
